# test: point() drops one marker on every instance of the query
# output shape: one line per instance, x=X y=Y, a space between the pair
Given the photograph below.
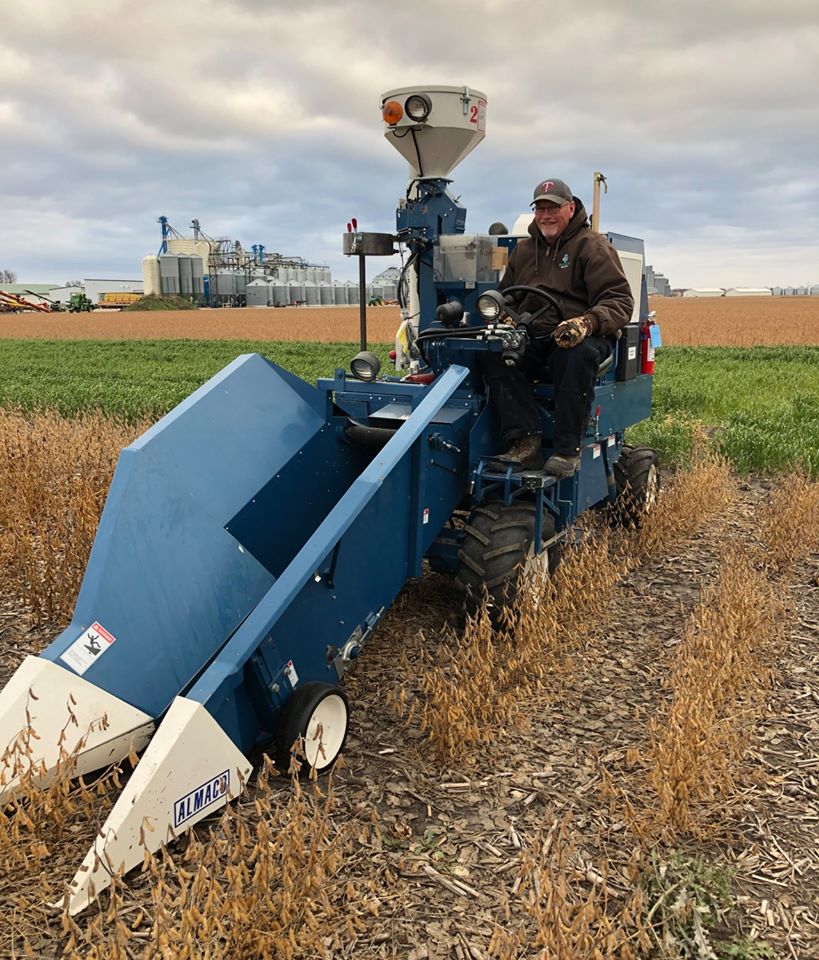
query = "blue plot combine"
x=238 y=568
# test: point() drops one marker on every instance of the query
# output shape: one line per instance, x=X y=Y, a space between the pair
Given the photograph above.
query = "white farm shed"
x=704 y=292
x=748 y=292
x=94 y=289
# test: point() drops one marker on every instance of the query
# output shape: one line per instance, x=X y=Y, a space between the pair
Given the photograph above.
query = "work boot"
x=524 y=454
x=562 y=464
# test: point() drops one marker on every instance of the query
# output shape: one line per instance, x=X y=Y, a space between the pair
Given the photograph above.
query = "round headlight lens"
x=365 y=366
x=418 y=107
x=490 y=305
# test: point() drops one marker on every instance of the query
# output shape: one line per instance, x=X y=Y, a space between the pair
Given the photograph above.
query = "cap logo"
x=546 y=186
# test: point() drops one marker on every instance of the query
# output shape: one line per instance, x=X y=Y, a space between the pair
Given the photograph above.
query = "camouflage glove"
x=570 y=332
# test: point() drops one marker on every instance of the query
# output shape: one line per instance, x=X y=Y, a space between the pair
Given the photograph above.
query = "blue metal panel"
x=337 y=581
x=164 y=576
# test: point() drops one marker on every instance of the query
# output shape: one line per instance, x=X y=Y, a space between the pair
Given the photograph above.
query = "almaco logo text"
x=192 y=803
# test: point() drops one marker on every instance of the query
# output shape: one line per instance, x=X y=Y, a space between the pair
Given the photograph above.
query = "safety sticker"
x=611 y=440
x=425 y=515
x=201 y=798
x=88 y=648
x=596 y=450
x=290 y=673
x=632 y=353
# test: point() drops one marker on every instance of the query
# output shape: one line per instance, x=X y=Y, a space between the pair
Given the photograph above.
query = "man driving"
x=582 y=271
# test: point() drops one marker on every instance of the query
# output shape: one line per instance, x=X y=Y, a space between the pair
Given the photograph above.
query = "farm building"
x=704 y=292
x=94 y=289
x=748 y=292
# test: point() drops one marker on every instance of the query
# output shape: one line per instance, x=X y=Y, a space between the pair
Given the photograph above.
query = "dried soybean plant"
x=476 y=683
x=789 y=523
x=45 y=831
x=570 y=910
x=719 y=678
x=54 y=474
x=266 y=881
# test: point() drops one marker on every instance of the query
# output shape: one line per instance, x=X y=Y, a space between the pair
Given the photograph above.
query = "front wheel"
x=498 y=548
x=318 y=713
x=637 y=475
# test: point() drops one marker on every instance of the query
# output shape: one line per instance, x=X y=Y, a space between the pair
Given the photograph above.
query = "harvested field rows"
x=632 y=765
x=725 y=321
x=322 y=324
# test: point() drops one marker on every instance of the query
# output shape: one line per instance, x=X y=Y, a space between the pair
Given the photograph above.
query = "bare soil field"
x=724 y=321
x=738 y=321
x=322 y=324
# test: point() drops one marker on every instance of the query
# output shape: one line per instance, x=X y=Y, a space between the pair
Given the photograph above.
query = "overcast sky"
x=261 y=118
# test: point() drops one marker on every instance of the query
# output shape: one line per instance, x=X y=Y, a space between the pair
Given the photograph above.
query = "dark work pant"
x=572 y=371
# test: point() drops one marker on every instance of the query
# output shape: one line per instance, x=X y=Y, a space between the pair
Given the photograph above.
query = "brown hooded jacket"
x=582 y=270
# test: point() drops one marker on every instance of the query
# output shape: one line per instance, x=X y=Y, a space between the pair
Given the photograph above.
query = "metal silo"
x=151 y=278
x=340 y=294
x=278 y=293
x=296 y=291
x=353 y=292
x=257 y=293
x=325 y=294
x=198 y=278
x=311 y=294
x=169 y=274
x=185 y=275
x=814 y=291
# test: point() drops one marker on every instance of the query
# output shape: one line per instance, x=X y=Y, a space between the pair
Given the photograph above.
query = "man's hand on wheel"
x=570 y=332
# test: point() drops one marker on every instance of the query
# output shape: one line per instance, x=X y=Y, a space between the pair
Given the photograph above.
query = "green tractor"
x=79 y=303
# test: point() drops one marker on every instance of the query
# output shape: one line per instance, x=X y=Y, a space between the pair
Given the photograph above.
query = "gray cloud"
x=261 y=118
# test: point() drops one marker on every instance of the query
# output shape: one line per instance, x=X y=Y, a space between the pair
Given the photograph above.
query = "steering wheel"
x=537 y=291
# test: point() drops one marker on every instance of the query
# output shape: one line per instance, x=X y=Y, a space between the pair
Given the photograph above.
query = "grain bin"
x=340 y=294
x=198 y=278
x=353 y=293
x=296 y=291
x=311 y=294
x=325 y=294
x=151 y=278
x=278 y=293
x=257 y=293
x=185 y=275
x=169 y=274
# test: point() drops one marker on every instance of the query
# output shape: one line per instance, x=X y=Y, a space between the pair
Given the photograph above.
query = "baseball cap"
x=558 y=191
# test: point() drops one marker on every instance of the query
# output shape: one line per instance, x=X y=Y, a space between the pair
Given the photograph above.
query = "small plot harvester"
x=240 y=563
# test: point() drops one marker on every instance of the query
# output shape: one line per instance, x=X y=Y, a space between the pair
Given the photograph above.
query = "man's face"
x=552 y=218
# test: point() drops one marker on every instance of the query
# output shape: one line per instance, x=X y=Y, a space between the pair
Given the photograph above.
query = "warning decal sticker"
x=87 y=648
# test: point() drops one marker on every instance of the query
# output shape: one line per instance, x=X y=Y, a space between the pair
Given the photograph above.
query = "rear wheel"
x=637 y=475
x=318 y=713
x=498 y=547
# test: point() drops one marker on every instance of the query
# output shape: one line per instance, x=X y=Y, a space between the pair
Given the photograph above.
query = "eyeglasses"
x=551 y=207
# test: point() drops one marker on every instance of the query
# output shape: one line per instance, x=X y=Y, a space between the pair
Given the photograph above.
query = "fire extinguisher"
x=646 y=347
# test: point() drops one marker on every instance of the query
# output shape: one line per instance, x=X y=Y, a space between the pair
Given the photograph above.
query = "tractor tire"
x=317 y=714
x=637 y=476
x=497 y=548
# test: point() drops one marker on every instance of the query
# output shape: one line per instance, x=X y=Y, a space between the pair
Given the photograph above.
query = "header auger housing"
x=235 y=576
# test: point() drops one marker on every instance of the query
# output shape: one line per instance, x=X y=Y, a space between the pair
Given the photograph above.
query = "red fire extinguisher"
x=646 y=347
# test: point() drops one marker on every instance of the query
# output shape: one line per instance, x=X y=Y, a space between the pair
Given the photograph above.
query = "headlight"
x=491 y=305
x=365 y=366
x=417 y=107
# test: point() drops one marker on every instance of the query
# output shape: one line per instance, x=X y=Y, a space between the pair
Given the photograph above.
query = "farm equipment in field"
x=13 y=303
x=240 y=564
x=79 y=303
